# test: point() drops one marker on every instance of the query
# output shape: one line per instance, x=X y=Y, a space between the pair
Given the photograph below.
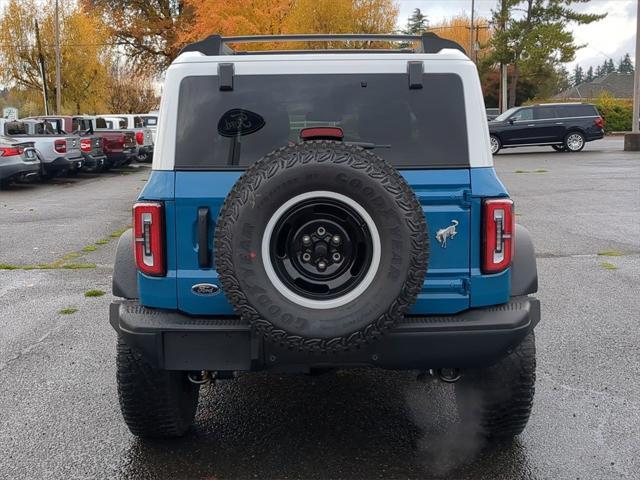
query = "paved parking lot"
x=59 y=416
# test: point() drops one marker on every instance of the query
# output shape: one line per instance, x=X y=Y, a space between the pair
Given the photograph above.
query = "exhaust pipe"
x=449 y=375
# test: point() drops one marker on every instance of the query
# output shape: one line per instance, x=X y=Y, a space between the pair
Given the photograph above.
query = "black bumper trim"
x=471 y=339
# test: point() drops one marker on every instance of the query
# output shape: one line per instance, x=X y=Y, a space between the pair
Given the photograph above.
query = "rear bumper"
x=93 y=161
x=145 y=150
x=19 y=169
x=63 y=163
x=475 y=338
x=594 y=135
x=117 y=159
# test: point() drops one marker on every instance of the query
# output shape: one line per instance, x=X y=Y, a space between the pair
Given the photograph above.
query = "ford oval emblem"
x=239 y=122
x=205 y=289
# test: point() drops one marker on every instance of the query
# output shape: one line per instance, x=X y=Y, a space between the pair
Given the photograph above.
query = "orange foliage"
x=273 y=17
x=458 y=29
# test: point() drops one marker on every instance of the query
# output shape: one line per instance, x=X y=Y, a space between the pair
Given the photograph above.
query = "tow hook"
x=200 y=378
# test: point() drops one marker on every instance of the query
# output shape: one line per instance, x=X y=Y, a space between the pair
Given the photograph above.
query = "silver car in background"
x=18 y=161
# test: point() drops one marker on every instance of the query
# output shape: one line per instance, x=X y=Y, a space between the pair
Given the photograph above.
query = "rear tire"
x=155 y=403
x=497 y=400
x=495 y=144
x=559 y=148
x=574 y=142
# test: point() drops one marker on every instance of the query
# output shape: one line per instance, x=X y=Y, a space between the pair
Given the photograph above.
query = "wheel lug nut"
x=306 y=257
x=336 y=257
x=336 y=240
x=322 y=266
x=306 y=240
x=321 y=231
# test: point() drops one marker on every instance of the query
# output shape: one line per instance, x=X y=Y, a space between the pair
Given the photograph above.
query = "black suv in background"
x=563 y=126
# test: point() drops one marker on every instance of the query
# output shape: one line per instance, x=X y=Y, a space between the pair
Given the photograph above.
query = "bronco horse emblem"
x=445 y=233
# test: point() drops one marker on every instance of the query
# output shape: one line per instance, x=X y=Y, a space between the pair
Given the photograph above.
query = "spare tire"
x=321 y=246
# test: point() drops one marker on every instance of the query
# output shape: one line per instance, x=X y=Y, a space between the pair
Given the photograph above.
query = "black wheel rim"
x=321 y=249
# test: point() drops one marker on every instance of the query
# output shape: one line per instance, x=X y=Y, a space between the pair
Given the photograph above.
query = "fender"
x=524 y=271
x=125 y=278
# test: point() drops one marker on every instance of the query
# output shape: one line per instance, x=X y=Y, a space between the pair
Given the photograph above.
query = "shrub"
x=616 y=113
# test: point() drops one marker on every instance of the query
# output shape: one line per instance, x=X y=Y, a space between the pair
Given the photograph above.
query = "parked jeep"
x=341 y=211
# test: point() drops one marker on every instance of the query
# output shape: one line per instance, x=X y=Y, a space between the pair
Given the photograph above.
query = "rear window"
x=15 y=128
x=81 y=124
x=150 y=121
x=542 y=113
x=576 y=111
x=230 y=129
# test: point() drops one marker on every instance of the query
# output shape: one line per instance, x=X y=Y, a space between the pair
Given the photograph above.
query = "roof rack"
x=217 y=45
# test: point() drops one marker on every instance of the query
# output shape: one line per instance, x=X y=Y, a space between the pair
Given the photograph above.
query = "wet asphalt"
x=59 y=415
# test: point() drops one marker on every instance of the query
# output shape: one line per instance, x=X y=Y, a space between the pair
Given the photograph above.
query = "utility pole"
x=503 y=66
x=632 y=140
x=42 y=70
x=58 y=92
x=472 y=46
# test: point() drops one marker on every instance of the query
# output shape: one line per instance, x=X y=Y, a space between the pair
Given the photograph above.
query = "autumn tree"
x=533 y=34
x=84 y=61
x=274 y=17
x=458 y=29
x=130 y=91
x=148 y=32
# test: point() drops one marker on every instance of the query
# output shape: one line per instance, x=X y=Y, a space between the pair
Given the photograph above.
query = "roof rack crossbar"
x=217 y=45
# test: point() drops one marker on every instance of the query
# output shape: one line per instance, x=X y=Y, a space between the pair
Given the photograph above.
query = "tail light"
x=139 y=138
x=321 y=133
x=148 y=233
x=498 y=231
x=60 y=146
x=10 y=151
x=599 y=121
x=85 y=144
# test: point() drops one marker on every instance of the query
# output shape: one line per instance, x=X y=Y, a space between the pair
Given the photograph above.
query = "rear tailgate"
x=129 y=140
x=73 y=147
x=445 y=199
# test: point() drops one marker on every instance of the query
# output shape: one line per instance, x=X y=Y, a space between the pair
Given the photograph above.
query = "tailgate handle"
x=204 y=260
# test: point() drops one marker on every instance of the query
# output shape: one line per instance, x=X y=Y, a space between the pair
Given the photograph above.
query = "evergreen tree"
x=625 y=65
x=609 y=66
x=417 y=23
x=562 y=79
x=598 y=71
x=589 y=76
x=578 y=75
x=534 y=35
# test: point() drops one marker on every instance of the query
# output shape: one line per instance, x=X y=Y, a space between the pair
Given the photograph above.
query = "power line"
x=29 y=45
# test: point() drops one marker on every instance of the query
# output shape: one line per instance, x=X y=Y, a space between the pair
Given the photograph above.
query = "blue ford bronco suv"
x=311 y=210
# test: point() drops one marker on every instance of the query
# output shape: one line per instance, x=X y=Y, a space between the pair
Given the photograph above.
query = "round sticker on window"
x=238 y=122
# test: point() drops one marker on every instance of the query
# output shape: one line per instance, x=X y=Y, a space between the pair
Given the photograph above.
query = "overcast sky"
x=611 y=37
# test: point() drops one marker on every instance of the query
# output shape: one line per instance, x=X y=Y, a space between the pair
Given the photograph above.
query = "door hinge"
x=465 y=286
x=466 y=197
